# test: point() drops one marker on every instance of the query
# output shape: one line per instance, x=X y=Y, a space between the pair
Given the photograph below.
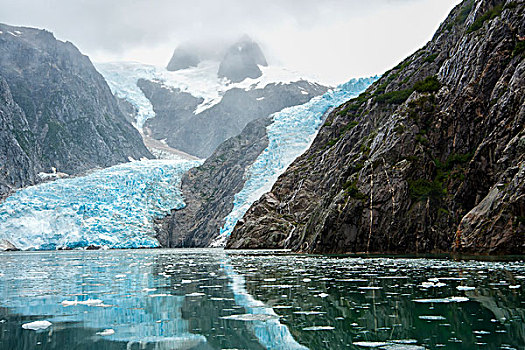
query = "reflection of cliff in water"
x=215 y=294
x=209 y=299
x=386 y=300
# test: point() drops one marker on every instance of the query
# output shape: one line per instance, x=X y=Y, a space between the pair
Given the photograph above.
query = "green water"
x=212 y=299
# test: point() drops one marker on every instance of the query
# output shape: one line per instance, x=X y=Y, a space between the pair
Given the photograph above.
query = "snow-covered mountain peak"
x=201 y=81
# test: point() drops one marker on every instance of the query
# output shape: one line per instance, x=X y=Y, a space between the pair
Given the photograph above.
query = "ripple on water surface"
x=212 y=299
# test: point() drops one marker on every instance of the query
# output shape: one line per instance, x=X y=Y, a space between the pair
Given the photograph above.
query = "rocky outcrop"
x=184 y=56
x=17 y=169
x=62 y=113
x=200 y=134
x=209 y=190
x=430 y=158
x=242 y=61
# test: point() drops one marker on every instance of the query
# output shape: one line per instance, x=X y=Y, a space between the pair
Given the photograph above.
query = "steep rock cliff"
x=430 y=158
x=209 y=189
x=65 y=115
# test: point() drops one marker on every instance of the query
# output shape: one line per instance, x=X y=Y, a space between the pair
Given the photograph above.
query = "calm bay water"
x=212 y=299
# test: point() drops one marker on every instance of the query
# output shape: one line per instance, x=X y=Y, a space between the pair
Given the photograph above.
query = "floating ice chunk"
x=89 y=302
x=309 y=312
x=158 y=295
x=37 y=325
x=251 y=317
x=432 y=284
x=402 y=347
x=106 y=332
x=186 y=281
x=443 y=300
x=196 y=294
x=323 y=295
x=515 y=286
x=432 y=318
x=465 y=288
x=307 y=280
x=369 y=344
x=120 y=276
x=370 y=288
x=319 y=328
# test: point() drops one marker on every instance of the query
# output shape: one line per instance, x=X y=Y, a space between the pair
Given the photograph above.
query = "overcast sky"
x=332 y=40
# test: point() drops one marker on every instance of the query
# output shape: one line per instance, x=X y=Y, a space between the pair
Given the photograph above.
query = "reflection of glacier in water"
x=205 y=299
x=112 y=207
x=136 y=298
x=264 y=321
x=291 y=133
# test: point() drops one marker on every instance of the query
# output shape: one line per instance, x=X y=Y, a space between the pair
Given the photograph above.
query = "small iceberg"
x=251 y=317
x=106 y=332
x=37 y=325
x=319 y=328
x=89 y=302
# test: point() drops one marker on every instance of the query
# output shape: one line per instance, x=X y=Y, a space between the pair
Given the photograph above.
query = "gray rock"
x=57 y=109
x=209 y=190
x=184 y=56
x=429 y=159
x=242 y=61
x=200 y=134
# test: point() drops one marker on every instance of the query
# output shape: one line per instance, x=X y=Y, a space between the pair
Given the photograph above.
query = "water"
x=212 y=299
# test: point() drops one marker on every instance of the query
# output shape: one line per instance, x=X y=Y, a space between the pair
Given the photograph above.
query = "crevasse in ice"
x=291 y=133
x=112 y=207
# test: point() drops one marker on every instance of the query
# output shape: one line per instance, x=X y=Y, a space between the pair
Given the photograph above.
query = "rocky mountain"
x=195 y=108
x=242 y=61
x=199 y=134
x=17 y=168
x=238 y=60
x=57 y=111
x=430 y=158
x=184 y=56
x=219 y=191
x=209 y=189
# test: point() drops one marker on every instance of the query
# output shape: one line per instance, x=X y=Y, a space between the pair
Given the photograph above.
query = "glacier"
x=112 y=208
x=290 y=134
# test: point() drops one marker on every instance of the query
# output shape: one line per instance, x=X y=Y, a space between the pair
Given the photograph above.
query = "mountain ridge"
x=70 y=120
x=430 y=158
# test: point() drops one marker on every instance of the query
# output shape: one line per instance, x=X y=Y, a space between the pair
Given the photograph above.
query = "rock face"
x=17 y=168
x=58 y=109
x=242 y=61
x=200 y=134
x=209 y=189
x=430 y=158
x=184 y=56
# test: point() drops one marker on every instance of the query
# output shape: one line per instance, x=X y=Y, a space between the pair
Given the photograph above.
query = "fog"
x=331 y=40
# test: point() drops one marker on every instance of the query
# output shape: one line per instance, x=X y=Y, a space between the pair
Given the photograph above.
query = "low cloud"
x=123 y=28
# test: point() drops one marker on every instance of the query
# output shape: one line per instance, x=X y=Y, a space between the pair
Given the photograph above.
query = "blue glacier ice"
x=291 y=133
x=122 y=80
x=112 y=207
